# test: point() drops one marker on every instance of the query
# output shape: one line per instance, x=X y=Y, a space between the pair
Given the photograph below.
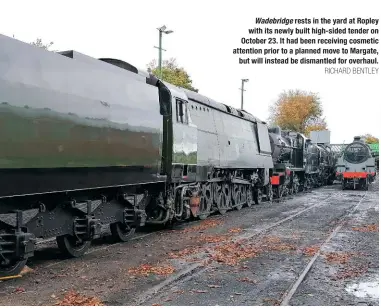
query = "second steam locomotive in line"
x=90 y=142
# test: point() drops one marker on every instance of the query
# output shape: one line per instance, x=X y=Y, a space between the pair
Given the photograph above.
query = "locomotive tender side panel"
x=70 y=119
x=208 y=144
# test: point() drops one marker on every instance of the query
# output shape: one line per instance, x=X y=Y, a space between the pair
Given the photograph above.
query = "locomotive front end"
x=356 y=166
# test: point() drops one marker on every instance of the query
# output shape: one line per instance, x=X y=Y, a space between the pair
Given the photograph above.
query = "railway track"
x=43 y=245
x=105 y=260
x=294 y=287
x=196 y=269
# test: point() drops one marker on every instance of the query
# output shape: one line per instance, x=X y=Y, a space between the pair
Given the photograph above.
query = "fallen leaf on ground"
x=273 y=302
x=338 y=257
x=310 y=251
x=369 y=228
x=26 y=270
x=235 y=230
x=351 y=272
x=199 y=291
x=184 y=253
x=75 y=299
x=146 y=269
x=210 y=239
x=246 y=279
x=19 y=290
x=272 y=239
x=206 y=224
x=233 y=252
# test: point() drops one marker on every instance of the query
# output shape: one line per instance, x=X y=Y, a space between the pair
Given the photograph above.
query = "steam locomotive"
x=299 y=164
x=356 y=165
x=90 y=142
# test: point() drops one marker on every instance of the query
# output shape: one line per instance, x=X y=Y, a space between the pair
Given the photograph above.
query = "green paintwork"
x=32 y=138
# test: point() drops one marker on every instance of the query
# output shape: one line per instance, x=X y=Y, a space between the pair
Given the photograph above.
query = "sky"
x=205 y=34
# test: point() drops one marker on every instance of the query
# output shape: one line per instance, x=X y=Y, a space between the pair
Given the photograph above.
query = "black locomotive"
x=89 y=142
x=299 y=164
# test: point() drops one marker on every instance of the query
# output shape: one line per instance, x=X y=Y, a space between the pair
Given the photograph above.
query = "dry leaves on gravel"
x=214 y=286
x=311 y=251
x=246 y=279
x=235 y=230
x=369 y=228
x=184 y=252
x=272 y=243
x=210 y=239
x=338 y=257
x=351 y=272
x=199 y=291
x=272 y=302
x=233 y=252
x=146 y=270
x=206 y=224
x=73 y=298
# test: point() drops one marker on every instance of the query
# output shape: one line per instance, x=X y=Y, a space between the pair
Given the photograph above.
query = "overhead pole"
x=161 y=31
x=242 y=90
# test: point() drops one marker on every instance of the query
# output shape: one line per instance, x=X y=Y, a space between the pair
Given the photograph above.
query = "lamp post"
x=161 y=31
x=242 y=89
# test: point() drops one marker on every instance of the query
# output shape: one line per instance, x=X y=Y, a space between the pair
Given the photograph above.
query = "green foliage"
x=172 y=73
x=370 y=138
x=298 y=111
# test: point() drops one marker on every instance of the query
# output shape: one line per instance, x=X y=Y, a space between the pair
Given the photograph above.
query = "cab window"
x=181 y=111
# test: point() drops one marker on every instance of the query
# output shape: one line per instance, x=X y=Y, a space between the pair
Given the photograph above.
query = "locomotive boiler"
x=356 y=166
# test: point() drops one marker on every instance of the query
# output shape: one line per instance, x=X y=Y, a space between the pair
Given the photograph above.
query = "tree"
x=38 y=43
x=368 y=138
x=315 y=125
x=298 y=111
x=172 y=73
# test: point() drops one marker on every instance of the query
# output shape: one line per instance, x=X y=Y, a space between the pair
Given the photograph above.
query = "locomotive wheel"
x=204 y=209
x=12 y=268
x=270 y=193
x=279 y=192
x=258 y=196
x=206 y=202
x=221 y=205
x=70 y=246
x=249 y=197
x=239 y=199
x=121 y=232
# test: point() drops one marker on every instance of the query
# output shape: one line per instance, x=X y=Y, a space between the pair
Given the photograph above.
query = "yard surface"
x=318 y=248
